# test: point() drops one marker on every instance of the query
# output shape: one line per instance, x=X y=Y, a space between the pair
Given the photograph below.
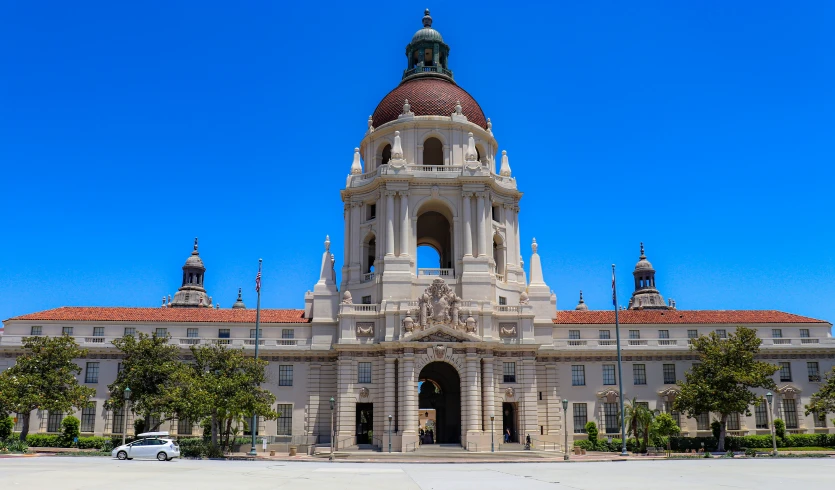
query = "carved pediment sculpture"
x=439 y=305
x=364 y=392
x=439 y=337
x=507 y=330
x=440 y=351
x=508 y=392
x=365 y=329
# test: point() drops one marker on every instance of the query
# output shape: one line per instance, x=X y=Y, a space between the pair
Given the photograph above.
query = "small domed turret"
x=191 y=292
x=240 y=303
x=582 y=306
x=645 y=294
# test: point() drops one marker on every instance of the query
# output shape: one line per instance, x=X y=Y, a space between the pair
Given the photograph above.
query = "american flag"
x=258 y=280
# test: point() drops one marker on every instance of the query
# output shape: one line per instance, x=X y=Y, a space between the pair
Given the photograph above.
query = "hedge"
x=682 y=444
x=55 y=440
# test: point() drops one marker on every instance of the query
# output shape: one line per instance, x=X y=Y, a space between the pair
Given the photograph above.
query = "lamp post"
x=125 y=415
x=768 y=399
x=389 y=433
x=492 y=434
x=332 y=403
x=565 y=425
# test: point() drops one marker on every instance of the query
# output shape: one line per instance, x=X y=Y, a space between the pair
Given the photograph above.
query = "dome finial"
x=642 y=251
x=195 y=247
x=427 y=19
x=581 y=306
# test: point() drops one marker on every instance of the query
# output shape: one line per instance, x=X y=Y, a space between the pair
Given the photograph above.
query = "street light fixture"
x=125 y=414
x=769 y=397
x=332 y=435
x=389 y=433
x=565 y=426
x=492 y=434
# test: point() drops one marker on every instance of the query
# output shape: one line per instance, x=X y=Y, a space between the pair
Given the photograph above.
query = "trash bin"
x=272 y=453
x=293 y=450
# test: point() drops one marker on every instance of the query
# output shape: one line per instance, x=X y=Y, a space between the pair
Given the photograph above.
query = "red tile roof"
x=164 y=315
x=575 y=317
x=428 y=97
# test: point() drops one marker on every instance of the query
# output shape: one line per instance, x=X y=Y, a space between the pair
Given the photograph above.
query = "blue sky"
x=703 y=129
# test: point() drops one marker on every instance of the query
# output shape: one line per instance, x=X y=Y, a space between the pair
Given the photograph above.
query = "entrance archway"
x=440 y=390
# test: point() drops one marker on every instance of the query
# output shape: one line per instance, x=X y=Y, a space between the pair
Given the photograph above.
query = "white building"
x=486 y=339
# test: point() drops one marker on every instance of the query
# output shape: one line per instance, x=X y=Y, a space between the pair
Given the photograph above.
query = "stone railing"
x=455 y=169
x=507 y=308
x=367 y=277
x=359 y=308
x=446 y=273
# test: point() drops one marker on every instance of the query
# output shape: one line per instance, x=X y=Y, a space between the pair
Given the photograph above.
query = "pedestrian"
x=507 y=435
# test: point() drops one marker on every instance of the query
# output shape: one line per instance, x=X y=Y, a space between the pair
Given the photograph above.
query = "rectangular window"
x=804 y=333
x=191 y=333
x=372 y=211
x=66 y=330
x=611 y=418
x=790 y=413
x=604 y=334
x=287 y=333
x=366 y=300
x=184 y=426
x=509 y=371
x=502 y=301
x=721 y=333
x=285 y=375
x=495 y=213
x=223 y=333
x=578 y=375
x=53 y=422
x=364 y=372
x=668 y=408
x=785 y=371
x=580 y=418
x=98 y=331
x=130 y=331
x=777 y=333
x=161 y=332
x=252 y=333
x=609 y=374
x=761 y=416
x=820 y=420
x=669 y=374
x=634 y=334
x=639 y=372
x=92 y=373
x=88 y=417
x=118 y=421
x=703 y=421
x=574 y=334
x=284 y=422
x=692 y=334
x=36 y=330
x=663 y=334
x=733 y=421
x=814 y=371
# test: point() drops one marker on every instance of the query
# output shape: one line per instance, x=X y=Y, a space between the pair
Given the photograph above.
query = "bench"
x=655 y=451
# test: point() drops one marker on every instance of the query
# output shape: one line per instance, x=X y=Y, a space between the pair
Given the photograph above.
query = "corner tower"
x=645 y=296
x=191 y=292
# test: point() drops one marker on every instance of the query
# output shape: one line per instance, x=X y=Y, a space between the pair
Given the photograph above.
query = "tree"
x=591 y=430
x=70 y=429
x=665 y=426
x=638 y=419
x=720 y=382
x=6 y=427
x=151 y=368
x=823 y=401
x=44 y=377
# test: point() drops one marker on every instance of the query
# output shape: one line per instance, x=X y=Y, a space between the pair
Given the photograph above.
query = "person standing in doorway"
x=507 y=435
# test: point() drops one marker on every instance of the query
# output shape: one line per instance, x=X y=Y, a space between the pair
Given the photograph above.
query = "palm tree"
x=638 y=421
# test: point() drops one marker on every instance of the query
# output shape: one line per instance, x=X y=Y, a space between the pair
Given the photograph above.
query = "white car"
x=150 y=445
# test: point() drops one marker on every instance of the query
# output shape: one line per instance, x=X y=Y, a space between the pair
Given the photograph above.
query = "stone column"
x=468 y=226
x=313 y=426
x=389 y=223
x=347 y=258
x=356 y=240
x=410 y=419
x=473 y=415
x=552 y=403
x=518 y=251
x=530 y=422
x=405 y=224
x=389 y=382
x=488 y=392
x=346 y=409
x=482 y=231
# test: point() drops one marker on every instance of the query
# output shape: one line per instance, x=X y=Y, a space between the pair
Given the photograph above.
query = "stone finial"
x=195 y=246
x=427 y=19
x=370 y=124
x=347 y=299
x=489 y=126
x=240 y=291
x=537 y=280
x=397 y=148
x=534 y=246
x=407 y=109
x=458 y=108
x=505 y=168
x=471 y=154
x=169 y=300
x=163 y=301
x=356 y=166
x=643 y=256
x=327 y=243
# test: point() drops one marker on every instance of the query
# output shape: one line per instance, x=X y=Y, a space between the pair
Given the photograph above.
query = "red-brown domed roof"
x=428 y=97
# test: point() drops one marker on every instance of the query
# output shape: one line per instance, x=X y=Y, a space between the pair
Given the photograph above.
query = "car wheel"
x=122 y=455
x=161 y=456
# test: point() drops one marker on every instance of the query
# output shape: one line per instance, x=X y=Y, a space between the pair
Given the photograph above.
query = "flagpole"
x=254 y=427
x=620 y=367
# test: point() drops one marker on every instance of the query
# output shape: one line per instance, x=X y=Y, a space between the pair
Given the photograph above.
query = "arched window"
x=386 y=155
x=434 y=240
x=369 y=252
x=433 y=152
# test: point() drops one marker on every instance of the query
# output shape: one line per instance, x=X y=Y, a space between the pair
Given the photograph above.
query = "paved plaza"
x=69 y=473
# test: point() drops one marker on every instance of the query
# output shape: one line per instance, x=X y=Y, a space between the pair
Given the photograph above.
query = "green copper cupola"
x=427 y=54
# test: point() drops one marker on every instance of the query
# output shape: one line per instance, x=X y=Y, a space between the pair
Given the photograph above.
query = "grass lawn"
x=810 y=448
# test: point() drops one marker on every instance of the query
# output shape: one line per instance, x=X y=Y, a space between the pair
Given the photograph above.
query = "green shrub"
x=751 y=452
x=70 y=429
x=14 y=445
x=44 y=440
x=138 y=426
x=716 y=428
x=206 y=425
x=93 y=442
x=591 y=430
x=6 y=427
x=780 y=428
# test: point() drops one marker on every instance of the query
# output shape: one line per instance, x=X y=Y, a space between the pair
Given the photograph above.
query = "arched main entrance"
x=440 y=390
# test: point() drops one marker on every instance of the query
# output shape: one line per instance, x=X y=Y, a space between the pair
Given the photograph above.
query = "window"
x=609 y=374
x=372 y=212
x=611 y=418
x=36 y=330
x=703 y=421
x=161 y=332
x=669 y=374
x=252 y=333
x=790 y=413
x=285 y=375
x=722 y=333
x=118 y=421
x=53 y=422
x=668 y=408
x=785 y=371
x=663 y=334
x=364 y=372
x=502 y=301
x=580 y=418
x=92 y=373
x=692 y=334
x=98 y=331
x=573 y=334
x=88 y=417
x=287 y=333
x=578 y=375
x=191 y=333
x=604 y=334
x=223 y=333
x=777 y=333
x=284 y=421
x=184 y=426
x=761 y=416
x=18 y=426
x=804 y=333
x=814 y=371
x=733 y=421
x=639 y=372
x=66 y=330
x=130 y=331
x=634 y=334
x=118 y=368
x=495 y=213
x=366 y=300
x=820 y=420
x=509 y=371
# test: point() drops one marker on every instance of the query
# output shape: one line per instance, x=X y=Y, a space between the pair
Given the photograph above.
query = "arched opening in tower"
x=369 y=252
x=385 y=156
x=434 y=231
x=433 y=152
x=440 y=389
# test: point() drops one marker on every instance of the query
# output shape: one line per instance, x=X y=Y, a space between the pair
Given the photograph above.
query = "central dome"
x=428 y=97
